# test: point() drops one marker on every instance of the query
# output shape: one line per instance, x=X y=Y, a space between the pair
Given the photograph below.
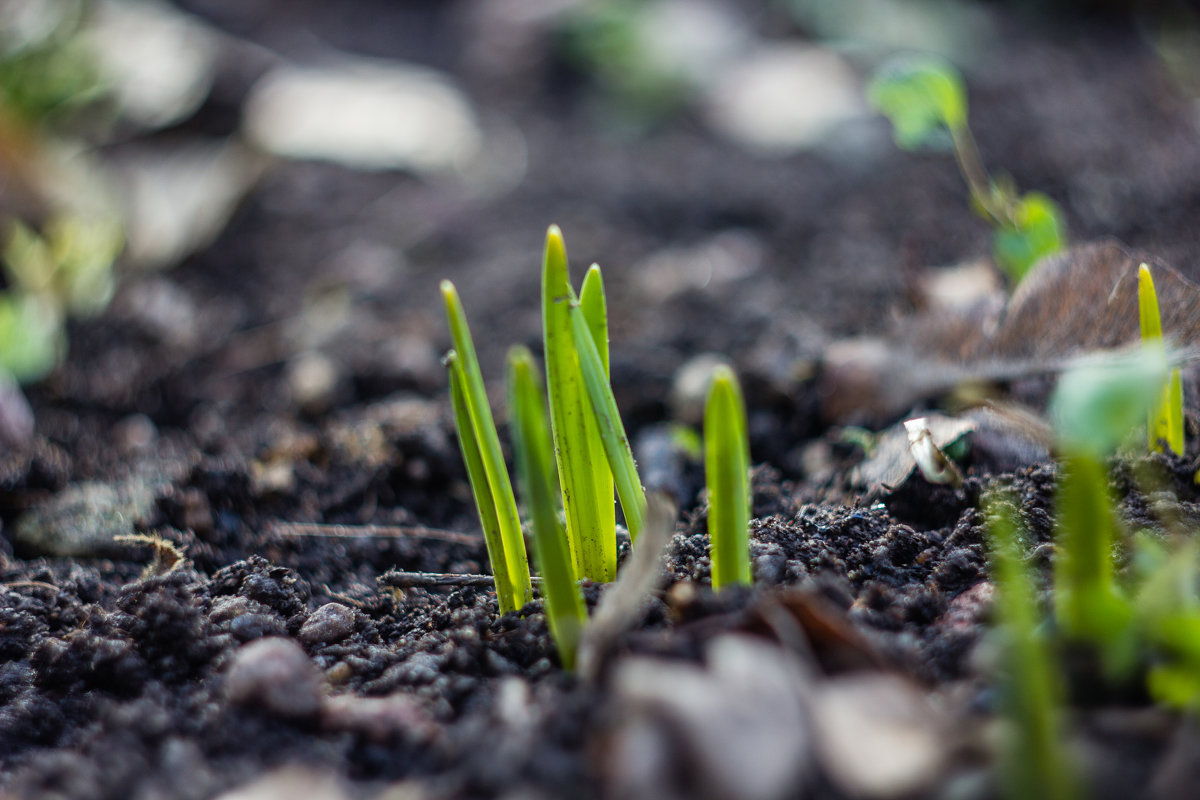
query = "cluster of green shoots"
x=571 y=458
x=926 y=101
x=1144 y=620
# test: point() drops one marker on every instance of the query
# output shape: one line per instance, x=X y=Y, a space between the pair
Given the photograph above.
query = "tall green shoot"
x=924 y=97
x=587 y=489
x=1034 y=762
x=1165 y=418
x=481 y=444
x=727 y=468
x=612 y=430
x=539 y=488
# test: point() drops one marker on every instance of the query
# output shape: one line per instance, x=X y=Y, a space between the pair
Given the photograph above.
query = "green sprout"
x=727 y=468
x=1034 y=763
x=486 y=471
x=587 y=483
x=925 y=98
x=584 y=432
x=1165 y=419
x=538 y=481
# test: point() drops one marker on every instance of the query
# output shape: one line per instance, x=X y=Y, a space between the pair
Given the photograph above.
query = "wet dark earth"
x=272 y=419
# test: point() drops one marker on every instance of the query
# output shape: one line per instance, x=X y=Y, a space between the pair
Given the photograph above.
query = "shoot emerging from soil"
x=1165 y=419
x=727 y=470
x=539 y=488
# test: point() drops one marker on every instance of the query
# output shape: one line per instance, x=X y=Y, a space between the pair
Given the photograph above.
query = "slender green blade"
x=1148 y=315
x=1164 y=421
x=594 y=307
x=726 y=467
x=1034 y=761
x=612 y=431
x=568 y=409
x=480 y=412
x=536 y=477
x=1087 y=602
x=485 y=502
x=1174 y=411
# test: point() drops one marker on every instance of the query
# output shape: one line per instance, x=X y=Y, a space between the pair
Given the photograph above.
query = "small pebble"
x=331 y=622
x=276 y=675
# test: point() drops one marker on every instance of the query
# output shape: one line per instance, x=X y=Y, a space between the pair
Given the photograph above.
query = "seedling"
x=539 y=487
x=925 y=98
x=1034 y=762
x=1165 y=419
x=486 y=471
x=727 y=468
x=587 y=483
x=590 y=445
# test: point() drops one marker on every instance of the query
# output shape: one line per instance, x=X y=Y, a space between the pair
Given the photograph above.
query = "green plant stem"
x=612 y=430
x=569 y=417
x=726 y=467
x=477 y=476
x=1088 y=605
x=536 y=476
x=1034 y=762
x=480 y=413
x=979 y=182
x=593 y=305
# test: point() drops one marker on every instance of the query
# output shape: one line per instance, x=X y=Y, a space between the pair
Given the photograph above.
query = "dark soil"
x=115 y=685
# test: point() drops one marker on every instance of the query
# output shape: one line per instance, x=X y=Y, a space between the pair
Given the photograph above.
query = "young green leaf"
x=1031 y=230
x=485 y=500
x=1098 y=404
x=1165 y=418
x=519 y=591
x=612 y=430
x=539 y=488
x=1088 y=604
x=726 y=467
x=574 y=438
x=594 y=307
x=1035 y=764
x=921 y=96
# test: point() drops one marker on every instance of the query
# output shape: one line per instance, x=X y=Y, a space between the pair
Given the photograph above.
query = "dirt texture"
x=273 y=657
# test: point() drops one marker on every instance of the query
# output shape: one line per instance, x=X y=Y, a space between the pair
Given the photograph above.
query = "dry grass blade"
x=621 y=605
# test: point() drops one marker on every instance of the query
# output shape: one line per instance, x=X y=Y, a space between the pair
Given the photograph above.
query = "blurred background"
x=221 y=214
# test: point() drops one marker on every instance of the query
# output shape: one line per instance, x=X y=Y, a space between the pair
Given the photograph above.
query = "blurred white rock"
x=158 y=62
x=177 y=198
x=878 y=736
x=782 y=98
x=365 y=115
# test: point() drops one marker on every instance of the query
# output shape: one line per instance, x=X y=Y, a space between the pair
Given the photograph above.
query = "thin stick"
x=373 y=531
x=437 y=580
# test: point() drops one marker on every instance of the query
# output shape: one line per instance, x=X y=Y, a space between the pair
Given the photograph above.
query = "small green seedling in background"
x=1034 y=762
x=727 y=470
x=924 y=97
x=537 y=479
x=65 y=271
x=587 y=483
x=486 y=470
x=1165 y=420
